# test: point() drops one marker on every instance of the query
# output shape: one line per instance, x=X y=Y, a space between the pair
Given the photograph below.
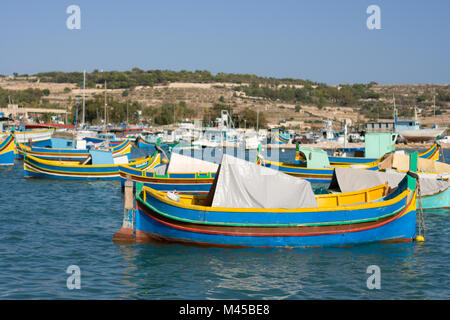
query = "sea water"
x=47 y=226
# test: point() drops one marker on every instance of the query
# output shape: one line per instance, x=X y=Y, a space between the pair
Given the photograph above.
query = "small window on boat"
x=69 y=143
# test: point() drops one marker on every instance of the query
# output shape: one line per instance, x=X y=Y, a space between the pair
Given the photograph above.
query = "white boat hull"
x=34 y=135
x=421 y=134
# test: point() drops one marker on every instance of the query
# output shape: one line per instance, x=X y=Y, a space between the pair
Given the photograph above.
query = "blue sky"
x=323 y=40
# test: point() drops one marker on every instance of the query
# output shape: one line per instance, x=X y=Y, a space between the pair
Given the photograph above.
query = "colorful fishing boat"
x=313 y=165
x=261 y=208
x=38 y=137
x=181 y=173
x=434 y=178
x=438 y=200
x=142 y=143
x=377 y=144
x=433 y=153
x=7 y=151
x=432 y=193
x=103 y=137
x=281 y=138
x=101 y=166
x=78 y=154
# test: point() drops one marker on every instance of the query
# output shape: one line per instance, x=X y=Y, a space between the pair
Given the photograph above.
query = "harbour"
x=224 y=159
x=39 y=242
x=133 y=194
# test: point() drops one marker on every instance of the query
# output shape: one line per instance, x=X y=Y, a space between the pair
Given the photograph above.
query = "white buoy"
x=173 y=196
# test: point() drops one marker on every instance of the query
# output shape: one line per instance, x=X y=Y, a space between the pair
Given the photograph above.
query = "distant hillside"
x=295 y=103
x=138 y=77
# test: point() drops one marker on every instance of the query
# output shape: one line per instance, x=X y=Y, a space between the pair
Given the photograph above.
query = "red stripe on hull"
x=286 y=234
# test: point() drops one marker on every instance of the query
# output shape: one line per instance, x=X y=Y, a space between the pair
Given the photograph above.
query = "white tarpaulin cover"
x=180 y=164
x=429 y=186
x=349 y=180
x=243 y=184
x=352 y=179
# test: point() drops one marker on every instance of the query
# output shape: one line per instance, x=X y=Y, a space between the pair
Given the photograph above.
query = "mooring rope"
x=420 y=211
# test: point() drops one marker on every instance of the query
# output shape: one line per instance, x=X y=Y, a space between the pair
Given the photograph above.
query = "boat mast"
x=257 y=121
x=395 y=109
x=395 y=112
x=84 y=97
x=106 y=118
x=434 y=108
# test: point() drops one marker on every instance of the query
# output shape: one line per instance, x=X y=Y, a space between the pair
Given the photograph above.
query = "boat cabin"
x=103 y=157
x=379 y=143
x=314 y=157
x=382 y=126
x=407 y=125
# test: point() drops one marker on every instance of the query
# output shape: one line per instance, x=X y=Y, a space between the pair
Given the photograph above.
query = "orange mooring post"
x=126 y=234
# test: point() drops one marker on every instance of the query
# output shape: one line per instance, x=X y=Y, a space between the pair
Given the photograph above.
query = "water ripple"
x=46 y=225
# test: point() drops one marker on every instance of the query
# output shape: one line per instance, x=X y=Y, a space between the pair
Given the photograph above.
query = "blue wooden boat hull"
x=391 y=219
x=141 y=143
x=190 y=185
x=191 y=188
x=40 y=168
x=440 y=200
x=100 y=140
x=33 y=174
x=432 y=153
x=351 y=160
x=282 y=138
x=310 y=174
x=7 y=148
x=67 y=154
x=7 y=159
x=402 y=228
x=179 y=182
x=43 y=143
x=39 y=144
